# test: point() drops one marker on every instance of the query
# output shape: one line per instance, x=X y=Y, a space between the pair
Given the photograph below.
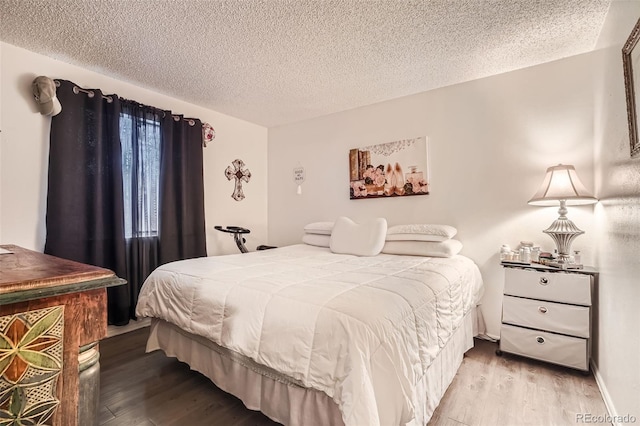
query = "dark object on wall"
x=631 y=55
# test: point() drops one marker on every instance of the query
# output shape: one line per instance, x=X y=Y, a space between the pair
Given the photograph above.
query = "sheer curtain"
x=140 y=139
x=125 y=189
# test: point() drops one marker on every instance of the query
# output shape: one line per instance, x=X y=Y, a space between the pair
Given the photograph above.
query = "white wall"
x=491 y=141
x=617 y=216
x=25 y=141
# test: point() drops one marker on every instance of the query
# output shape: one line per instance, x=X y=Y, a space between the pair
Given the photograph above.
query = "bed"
x=308 y=336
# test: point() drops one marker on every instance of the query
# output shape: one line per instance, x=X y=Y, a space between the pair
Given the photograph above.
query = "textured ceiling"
x=280 y=61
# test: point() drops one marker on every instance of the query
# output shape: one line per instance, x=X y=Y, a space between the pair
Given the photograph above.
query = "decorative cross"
x=240 y=175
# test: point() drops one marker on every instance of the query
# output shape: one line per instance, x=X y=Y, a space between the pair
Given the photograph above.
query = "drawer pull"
x=542 y=309
x=544 y=281
x=540 y=340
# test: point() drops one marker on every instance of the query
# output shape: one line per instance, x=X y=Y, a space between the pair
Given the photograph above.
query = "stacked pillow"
x=318 y=234
x=345 y=236
x=422 y=240
x=372 y=237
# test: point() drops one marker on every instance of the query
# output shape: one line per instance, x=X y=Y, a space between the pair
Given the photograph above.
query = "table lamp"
x=561 y=185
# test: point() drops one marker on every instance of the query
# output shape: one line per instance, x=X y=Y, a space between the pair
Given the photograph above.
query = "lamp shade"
x=561 y=183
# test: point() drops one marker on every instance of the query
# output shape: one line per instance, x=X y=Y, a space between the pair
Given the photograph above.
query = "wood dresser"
x=53 y=313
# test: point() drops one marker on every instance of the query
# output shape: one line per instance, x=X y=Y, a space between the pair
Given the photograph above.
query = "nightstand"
x=547 y=314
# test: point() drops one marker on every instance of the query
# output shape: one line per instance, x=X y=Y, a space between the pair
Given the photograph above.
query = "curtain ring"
x=176 y=118
x=109 y=99
x=57 y=83
x=192 y=122
x=89 y=93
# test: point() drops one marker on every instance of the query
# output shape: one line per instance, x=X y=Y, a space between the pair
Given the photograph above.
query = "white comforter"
x=361 y=329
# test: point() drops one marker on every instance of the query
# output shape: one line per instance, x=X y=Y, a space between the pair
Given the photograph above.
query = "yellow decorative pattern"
x=30 y=365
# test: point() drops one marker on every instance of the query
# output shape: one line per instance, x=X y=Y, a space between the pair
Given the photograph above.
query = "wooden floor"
x=150 y=389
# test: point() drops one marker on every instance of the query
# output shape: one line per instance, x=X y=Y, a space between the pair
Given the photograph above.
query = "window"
x=140 y=142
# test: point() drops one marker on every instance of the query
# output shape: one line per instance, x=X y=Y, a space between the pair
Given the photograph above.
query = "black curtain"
x=97 y=216
x=182 y=225
x=84 y=198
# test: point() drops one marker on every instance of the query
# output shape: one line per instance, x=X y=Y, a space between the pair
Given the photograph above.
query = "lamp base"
x=563 y=232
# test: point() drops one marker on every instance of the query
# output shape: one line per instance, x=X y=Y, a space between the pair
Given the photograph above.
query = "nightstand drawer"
x=550 y=347
x=554 y=286
x=566 y=319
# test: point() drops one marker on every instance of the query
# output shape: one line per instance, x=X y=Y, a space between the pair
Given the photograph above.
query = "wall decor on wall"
x=631 y=56
x=240 y=173
x=298 y=178
x=208 y=134
x=392 y=169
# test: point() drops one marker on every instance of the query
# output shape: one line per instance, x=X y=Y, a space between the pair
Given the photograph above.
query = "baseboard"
x=485 y=336
x=611 y=410
x=115 y=330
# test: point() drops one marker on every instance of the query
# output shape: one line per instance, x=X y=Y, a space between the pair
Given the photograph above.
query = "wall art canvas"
x=392 y=169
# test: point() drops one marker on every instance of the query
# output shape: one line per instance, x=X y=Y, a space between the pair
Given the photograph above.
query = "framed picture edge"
x=630 y=88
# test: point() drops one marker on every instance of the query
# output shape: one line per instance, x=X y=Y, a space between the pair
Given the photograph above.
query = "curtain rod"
x=109 y=99
x=89 y=93
x=191 y=121
x=208 y=132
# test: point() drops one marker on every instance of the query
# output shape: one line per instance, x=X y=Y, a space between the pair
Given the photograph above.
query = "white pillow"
x=415 y=237
x=421 y=232
x=359 y=239
x=322 y=228
x=317 y=240
x=446 y=248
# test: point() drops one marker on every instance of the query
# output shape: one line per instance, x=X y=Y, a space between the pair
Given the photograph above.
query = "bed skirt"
x=284 y=400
